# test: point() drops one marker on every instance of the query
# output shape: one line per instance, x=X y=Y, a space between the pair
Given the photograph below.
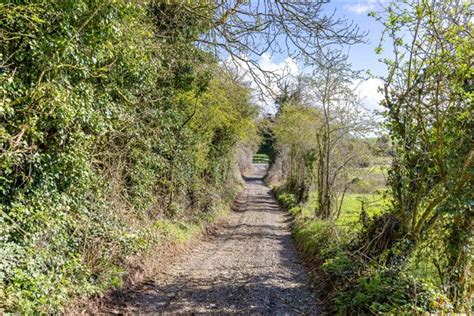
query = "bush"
x=287 y=200
x=387 y=292
x=339 y=264
x=352 y=284
x=106 y=126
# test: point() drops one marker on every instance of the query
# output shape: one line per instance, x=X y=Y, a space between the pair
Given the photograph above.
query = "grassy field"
x=260 y=158
x=370 y=179
x=368 y=192
x=351 y=208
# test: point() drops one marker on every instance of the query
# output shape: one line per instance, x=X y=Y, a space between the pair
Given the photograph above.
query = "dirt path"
x=250 y=266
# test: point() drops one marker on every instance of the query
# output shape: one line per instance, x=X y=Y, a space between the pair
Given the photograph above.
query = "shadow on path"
x=250 y=266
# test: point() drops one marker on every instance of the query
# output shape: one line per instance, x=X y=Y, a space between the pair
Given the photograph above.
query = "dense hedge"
x=348 y=284
x=110 y=119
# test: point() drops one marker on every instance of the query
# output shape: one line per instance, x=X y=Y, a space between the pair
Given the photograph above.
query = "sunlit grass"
x=260 y=158
x=374 y=204
x=372 y=170
x=351 y=208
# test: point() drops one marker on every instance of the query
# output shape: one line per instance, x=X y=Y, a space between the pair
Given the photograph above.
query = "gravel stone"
x=249 y=267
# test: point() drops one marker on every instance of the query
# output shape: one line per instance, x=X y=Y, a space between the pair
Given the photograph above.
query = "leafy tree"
x=318 y=135
x=429 y=106
x=295 y=129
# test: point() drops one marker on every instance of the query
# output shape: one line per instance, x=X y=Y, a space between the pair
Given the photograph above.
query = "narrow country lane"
x=251 y=266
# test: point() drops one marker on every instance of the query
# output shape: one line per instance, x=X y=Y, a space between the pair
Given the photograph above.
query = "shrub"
x=106 y=125
x=287 y=200
x=389 y=291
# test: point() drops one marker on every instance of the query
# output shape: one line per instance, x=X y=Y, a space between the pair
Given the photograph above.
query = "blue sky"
x=361 y=56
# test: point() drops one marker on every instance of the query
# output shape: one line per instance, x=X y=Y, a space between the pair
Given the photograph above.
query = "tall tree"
x=428 y=97
x=343 y=119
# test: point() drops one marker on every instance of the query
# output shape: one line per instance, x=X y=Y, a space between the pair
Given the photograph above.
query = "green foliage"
x=374 y=204
x=316 y=237
x=339 y=264
x=296 y=126
x=318 y=137
x=353 y=285
x=288 y=200
x=389 y=292
x=176 y=231
x=295 y=130
x=320 y=239
x=434 y=148
x=391 y=254
x=110 y=118
x=267 y=144
x=429 y=106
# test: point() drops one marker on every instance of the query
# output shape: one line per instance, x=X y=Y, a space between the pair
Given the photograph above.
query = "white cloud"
x=361 y=7
x=368 y=91
x=257 y=75
x=286 y=67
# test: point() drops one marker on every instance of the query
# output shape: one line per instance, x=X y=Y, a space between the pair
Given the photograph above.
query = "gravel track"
x=249 y=267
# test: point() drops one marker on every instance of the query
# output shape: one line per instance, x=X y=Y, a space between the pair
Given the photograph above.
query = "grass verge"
x=348 y=283
x=174 y=237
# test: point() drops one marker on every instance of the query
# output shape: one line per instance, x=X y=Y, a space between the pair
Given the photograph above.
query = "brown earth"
x=250 y=266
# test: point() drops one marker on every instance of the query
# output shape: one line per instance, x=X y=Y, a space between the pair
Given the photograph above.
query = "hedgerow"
x=111 y=120
x=347 y=283
x=414 y=254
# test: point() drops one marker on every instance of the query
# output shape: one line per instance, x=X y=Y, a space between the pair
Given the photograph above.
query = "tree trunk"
x=458 y=257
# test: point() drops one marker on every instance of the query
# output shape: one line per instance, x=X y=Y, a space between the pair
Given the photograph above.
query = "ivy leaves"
x=108 y=121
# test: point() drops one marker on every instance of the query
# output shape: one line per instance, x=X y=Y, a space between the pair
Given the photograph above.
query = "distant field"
x=370 y=179
x=367 y=190
x=260 y=158
x=352 y=205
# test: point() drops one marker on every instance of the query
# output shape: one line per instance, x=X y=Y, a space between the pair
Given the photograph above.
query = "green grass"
x=260 y=158
x=350 y=210
x=352 y=206
x=367 y=190
x=179 y=231
x=369 y=179
x=328 y=245
x=315 y=237
x=373 y=170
